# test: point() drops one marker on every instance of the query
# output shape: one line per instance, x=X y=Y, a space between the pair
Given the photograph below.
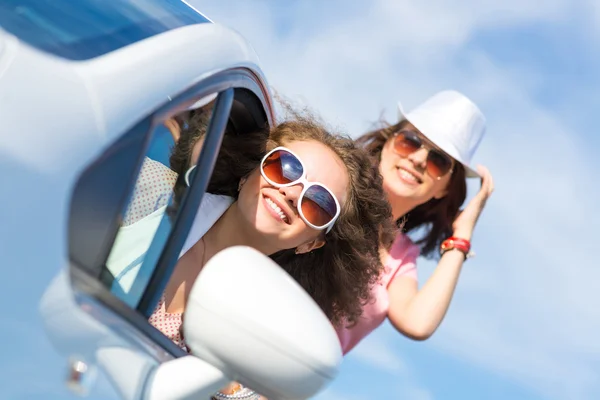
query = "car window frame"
x=86 y=283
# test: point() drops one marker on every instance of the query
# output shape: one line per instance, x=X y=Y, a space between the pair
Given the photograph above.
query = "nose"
x=291 y=193
x=419 y=157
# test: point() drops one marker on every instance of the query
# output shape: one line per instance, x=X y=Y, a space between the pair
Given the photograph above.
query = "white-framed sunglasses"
x=317 y=205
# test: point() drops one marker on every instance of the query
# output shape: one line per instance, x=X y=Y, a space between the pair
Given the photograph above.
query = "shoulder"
x=153 y=168
x=210 y=210
x=215 y=204
x=401 y=259
x=152 y=190
x=403 y=247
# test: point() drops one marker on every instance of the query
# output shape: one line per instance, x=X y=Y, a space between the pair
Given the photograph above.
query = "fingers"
x=491 y=187
x=487 y=181
x=174 y=128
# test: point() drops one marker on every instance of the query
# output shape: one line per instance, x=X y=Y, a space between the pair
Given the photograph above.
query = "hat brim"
x=469 y=171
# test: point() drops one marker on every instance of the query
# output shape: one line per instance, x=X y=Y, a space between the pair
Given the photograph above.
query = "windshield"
x=83 y=29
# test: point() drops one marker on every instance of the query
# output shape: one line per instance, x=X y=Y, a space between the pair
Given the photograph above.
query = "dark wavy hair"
x=238 y=156
x=435 y=216
x=340 y=274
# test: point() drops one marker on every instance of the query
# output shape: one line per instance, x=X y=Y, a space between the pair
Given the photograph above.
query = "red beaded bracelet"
x=454 y=243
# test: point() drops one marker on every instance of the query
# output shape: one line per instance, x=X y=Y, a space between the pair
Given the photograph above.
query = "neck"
x=228 y=231
x=400 y=207
x=400 y=210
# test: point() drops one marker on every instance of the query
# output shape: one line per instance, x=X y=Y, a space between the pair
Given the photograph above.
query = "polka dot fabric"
x=167 y=323
x=152 y=190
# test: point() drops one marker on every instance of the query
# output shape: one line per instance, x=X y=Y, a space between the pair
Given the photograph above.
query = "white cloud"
x=375 y=352
x=524 y=307
x=418 y=394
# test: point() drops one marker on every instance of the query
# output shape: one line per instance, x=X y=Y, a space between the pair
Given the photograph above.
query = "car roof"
x=108 y=94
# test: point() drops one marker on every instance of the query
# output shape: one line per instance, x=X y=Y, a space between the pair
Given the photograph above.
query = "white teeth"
x=407 y=175
x=276 y=208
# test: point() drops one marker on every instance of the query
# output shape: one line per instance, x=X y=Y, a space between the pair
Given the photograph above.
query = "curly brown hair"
x=436 y=215
x=340 y=274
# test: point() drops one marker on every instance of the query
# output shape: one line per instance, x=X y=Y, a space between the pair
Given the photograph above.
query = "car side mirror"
x=250 y=320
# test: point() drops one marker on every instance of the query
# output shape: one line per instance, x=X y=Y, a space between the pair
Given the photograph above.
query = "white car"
x=87 y=90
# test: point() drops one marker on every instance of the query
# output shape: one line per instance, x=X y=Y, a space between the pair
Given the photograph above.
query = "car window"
x=83 y=29
x=148 y=217
x=133 y=208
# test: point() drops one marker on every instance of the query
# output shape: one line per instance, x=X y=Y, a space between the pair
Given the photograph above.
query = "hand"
x=464 y=224
x=173 y=127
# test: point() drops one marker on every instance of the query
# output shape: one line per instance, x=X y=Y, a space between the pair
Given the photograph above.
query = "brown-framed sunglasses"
x=406 y=141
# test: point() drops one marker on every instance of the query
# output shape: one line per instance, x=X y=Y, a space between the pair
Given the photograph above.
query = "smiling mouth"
x=409 y=176
x=277 y=210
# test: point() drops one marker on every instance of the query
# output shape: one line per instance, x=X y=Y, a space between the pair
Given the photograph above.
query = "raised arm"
x=418 y=313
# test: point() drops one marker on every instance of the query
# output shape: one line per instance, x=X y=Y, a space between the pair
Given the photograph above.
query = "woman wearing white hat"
x=424 y=160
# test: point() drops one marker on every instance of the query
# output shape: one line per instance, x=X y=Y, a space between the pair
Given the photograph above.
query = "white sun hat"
x=452 y=122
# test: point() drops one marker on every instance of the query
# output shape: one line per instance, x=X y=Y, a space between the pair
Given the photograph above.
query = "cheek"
x=388 y=158
x=250 y=186
x=303 y=235
x=387 y=165
x=438 y=188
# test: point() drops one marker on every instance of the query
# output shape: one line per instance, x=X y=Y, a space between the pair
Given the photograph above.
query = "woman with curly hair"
x=328 y=240
x=309 y=199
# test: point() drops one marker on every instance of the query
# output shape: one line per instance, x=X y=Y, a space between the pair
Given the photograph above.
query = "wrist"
x=459 y=244
x=463 y=234
x=455 y=255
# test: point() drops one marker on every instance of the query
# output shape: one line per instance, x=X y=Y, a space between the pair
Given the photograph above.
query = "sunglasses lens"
x=438 y=164
x=318 y=205
x=406 y=143
x=282 y=167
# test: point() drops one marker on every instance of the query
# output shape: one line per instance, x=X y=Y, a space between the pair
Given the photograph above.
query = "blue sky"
x=524 y=322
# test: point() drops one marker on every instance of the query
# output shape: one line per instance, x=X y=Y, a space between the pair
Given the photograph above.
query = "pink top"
x=400 y=262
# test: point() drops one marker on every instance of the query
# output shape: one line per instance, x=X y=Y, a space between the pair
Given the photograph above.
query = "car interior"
x=103 y=200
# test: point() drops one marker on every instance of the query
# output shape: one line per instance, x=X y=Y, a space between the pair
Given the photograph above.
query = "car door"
x=81 y=109
x=103 y=345
x=99 y=324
